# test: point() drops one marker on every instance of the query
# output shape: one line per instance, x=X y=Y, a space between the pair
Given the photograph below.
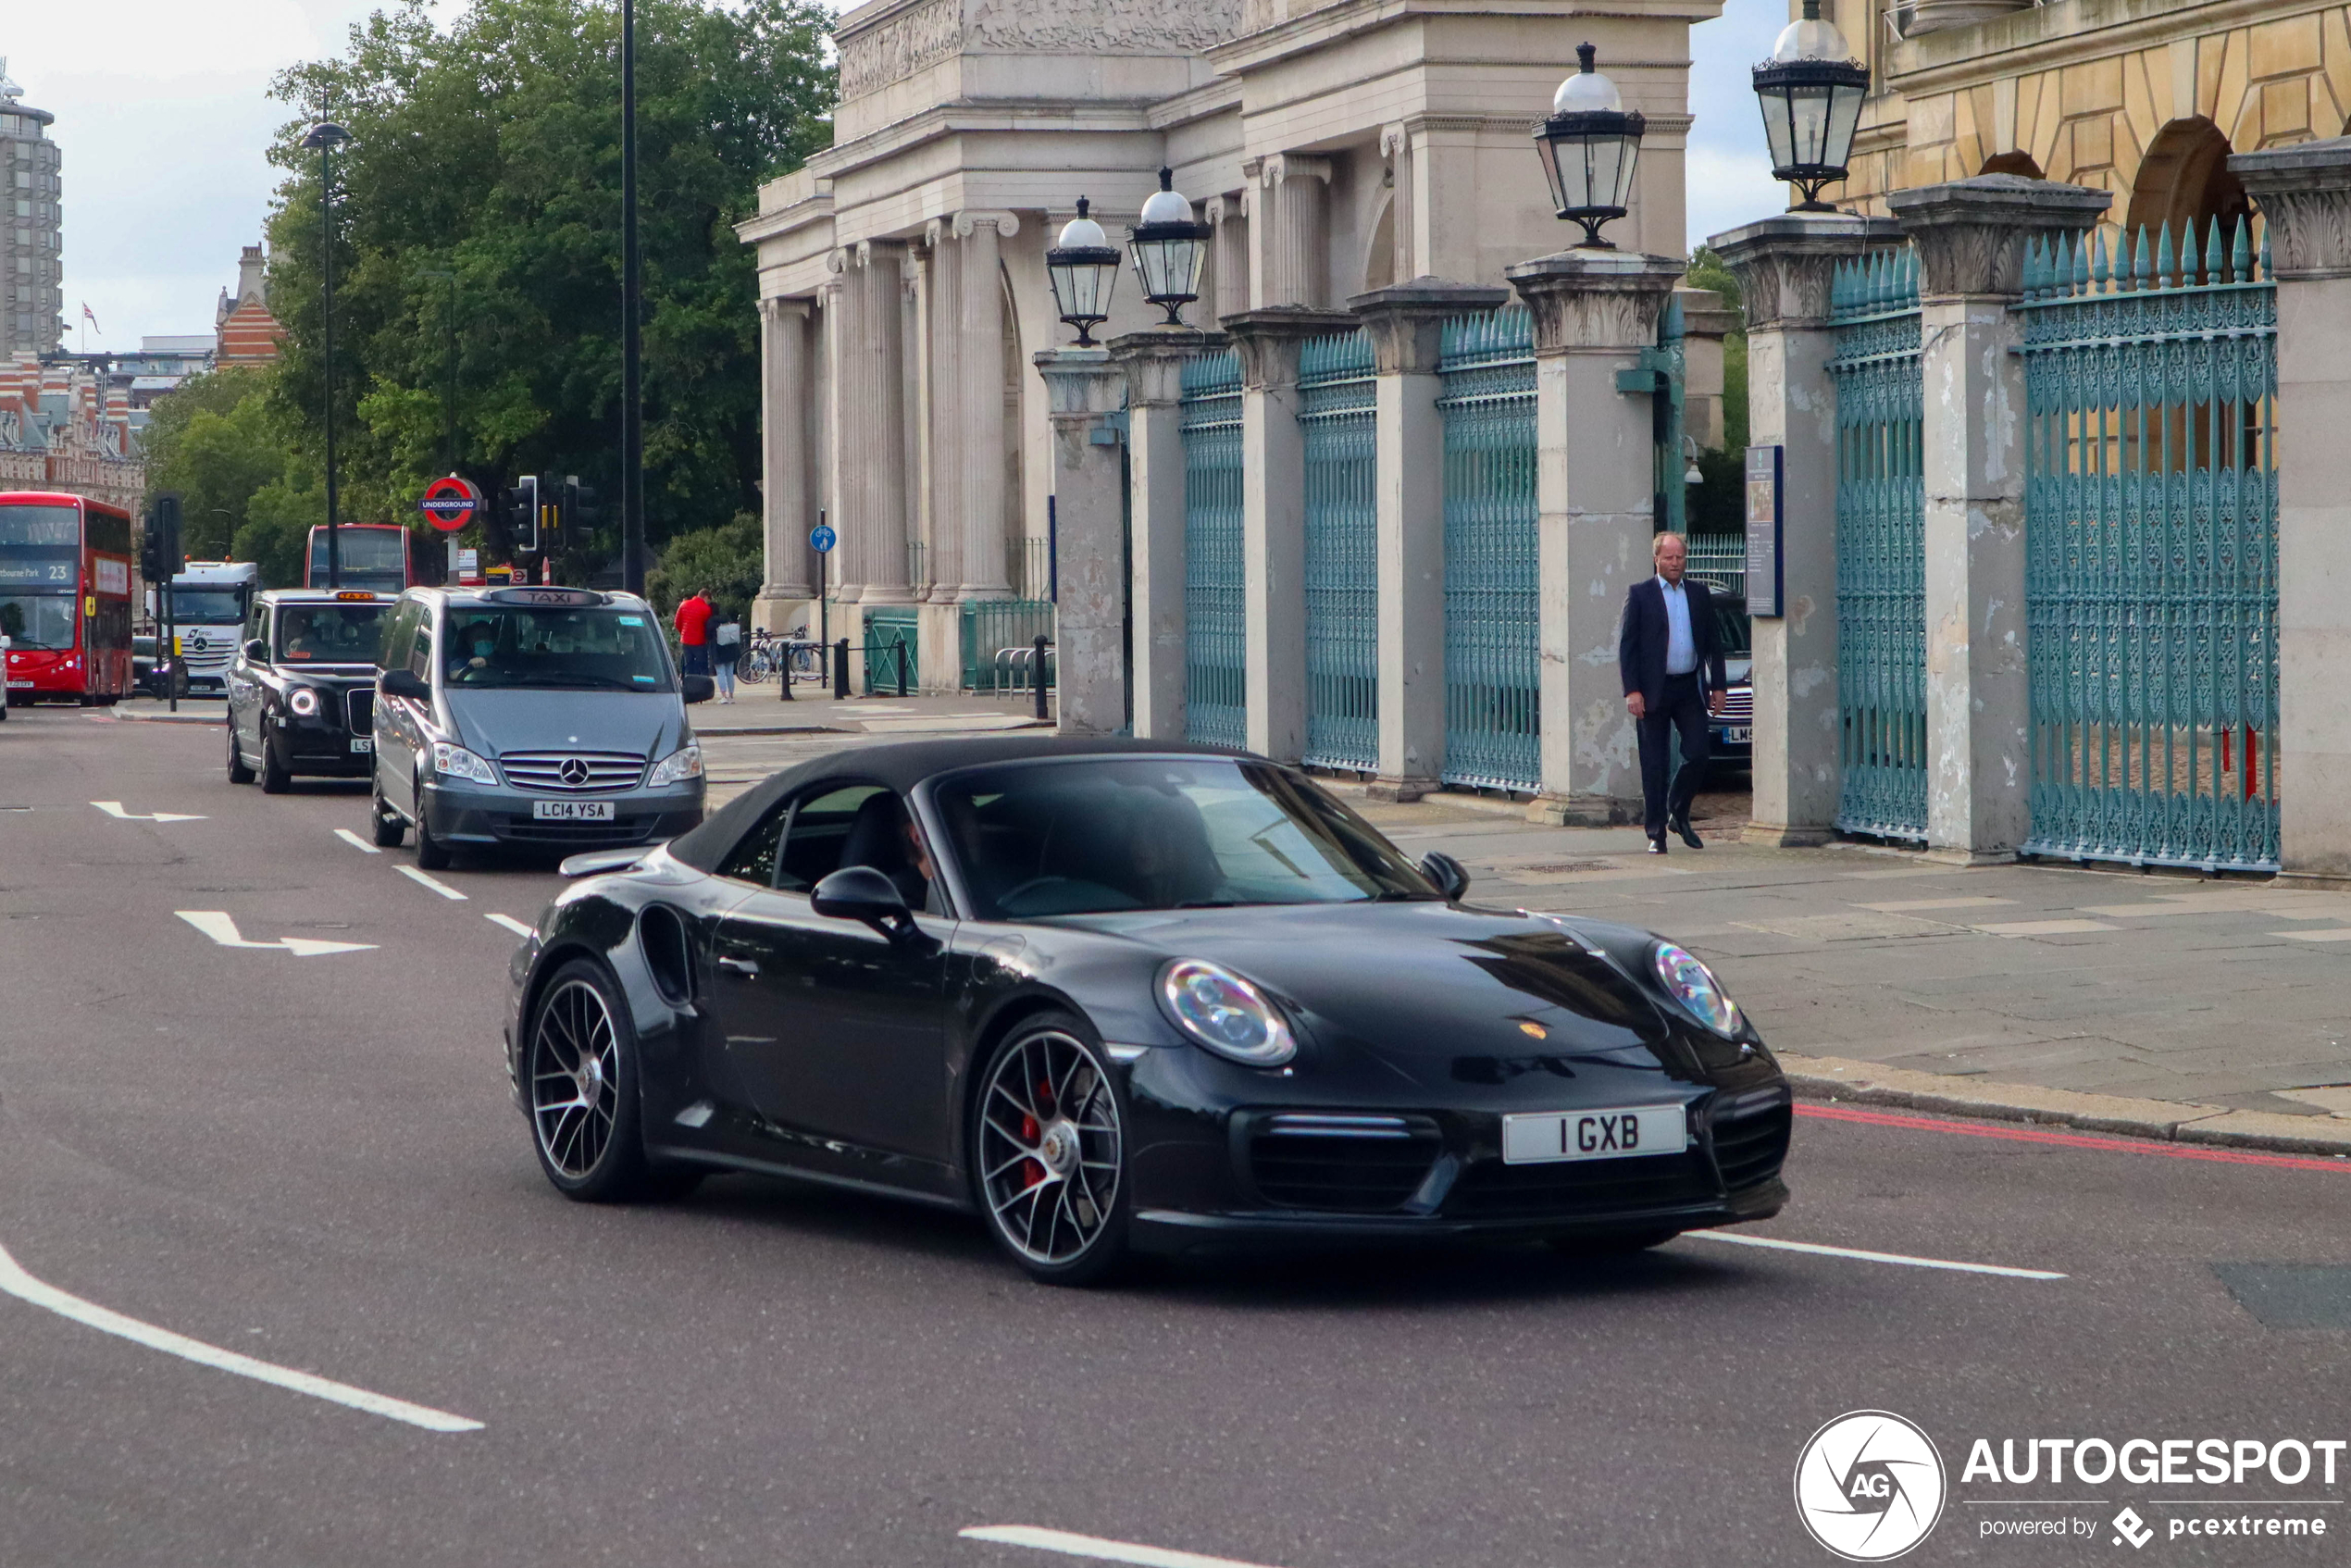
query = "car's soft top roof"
x=900 y=765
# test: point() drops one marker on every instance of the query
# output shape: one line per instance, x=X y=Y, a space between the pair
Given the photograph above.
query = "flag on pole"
x=87 y=316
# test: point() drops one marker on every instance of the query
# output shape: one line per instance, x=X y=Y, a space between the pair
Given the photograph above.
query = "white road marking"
x=114 y=809
x=221 y=928
x=22 y=1286
x=2044 y=928
x=443 y=888
x=1904 y=906
x=1903 y=1259
x=1100 y=1550
x=2336 y=934
x=508 y=921
x=355 y=842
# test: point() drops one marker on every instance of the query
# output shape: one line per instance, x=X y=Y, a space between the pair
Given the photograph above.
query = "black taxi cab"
x=302 y=687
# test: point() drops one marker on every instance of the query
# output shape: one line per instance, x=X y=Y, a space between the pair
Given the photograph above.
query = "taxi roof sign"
x=547 y=597
x=356 y=593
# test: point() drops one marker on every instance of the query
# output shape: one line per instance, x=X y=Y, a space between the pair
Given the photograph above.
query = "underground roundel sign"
x=451 y=503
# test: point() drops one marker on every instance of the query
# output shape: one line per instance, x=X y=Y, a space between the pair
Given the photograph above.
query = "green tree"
x=212 y=439
x=480 y=203
x=727 y=563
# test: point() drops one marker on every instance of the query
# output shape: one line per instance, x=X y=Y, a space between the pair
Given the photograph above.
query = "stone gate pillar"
x=1084 y=391
x=1407 y=328
x=1274 y=521
x=1153 y=361
x=1785 y=265
x=2303 y=192
x=1970 y=237
x=785 y=384
x=1595 y=311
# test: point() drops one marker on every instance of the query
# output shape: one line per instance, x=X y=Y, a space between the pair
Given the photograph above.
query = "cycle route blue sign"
x=822 y=538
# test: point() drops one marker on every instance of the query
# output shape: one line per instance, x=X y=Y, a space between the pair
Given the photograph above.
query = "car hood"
x=1739 y=668
x=645 y=724
x=1435 y=991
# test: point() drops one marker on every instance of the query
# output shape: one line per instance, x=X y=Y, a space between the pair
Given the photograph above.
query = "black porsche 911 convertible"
x=1120 y=994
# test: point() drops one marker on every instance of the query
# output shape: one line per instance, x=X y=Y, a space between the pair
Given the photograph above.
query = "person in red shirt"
x=693 y=631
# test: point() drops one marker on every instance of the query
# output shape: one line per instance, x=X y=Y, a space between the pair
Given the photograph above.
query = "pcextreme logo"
x=1869 y=1485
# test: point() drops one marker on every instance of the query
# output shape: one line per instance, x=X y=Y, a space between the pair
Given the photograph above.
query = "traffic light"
x=548 y=497
x=579 y=504
x=522 y=512
x=160 y=556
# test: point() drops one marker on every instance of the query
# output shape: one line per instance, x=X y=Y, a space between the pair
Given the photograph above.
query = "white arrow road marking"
x=1068 y=1545
x=443 y=888
x=508 y=921
x=221 y=928
x=24 y=1288
x=355 y=842
x=114 y=809
x=1899 y=1258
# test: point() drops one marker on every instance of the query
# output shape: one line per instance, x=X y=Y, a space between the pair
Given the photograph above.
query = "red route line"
x=2073 y=1140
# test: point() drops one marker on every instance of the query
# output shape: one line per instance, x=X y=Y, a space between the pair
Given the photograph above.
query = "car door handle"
x=746 y=968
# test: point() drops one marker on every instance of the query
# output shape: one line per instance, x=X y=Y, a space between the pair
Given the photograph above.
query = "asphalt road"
x=310 y=1160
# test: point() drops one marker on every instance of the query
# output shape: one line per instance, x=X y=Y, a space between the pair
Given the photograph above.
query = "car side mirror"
x=404 y=683
x=1450 y=877
x=862 y=893
x=698 y=687
x=257 y=651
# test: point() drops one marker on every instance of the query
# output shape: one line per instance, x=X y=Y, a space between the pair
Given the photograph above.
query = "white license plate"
x=1594 y=1135
x=363 y=744
x=21 y=685
x=571 y=810
x=1737 y=734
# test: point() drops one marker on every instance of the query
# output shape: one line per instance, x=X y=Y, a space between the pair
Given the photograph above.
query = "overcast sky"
x=162 y=116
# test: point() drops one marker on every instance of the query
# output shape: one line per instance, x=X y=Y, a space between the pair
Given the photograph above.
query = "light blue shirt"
x=1681 y=649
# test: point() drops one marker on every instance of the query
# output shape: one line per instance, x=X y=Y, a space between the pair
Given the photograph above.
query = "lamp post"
x=1590 y=147
x=1169 y=249
x=449 y=372
x=1082 y=267
x=326 y=136
x=1811 y=91
x=632 y=429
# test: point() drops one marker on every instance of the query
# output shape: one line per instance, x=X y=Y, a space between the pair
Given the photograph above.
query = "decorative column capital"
x=1279 y=167
x=1081 y=384
x=1971 y=233
x=777 y=308
x=1588 y=299
x=1785 y=265
x=1394 y=138
x=1268 y=340
x=1406 y=321
x=1153 y=362
x=1006 y=224
x=2304 y=190
x=1224 y=207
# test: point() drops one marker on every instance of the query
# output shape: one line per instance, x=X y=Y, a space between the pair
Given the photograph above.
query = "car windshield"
x=1731 y=625
x=1097 y=834
x=595 y=650
x=206 y=606
x=331 y=634
x=37 y=620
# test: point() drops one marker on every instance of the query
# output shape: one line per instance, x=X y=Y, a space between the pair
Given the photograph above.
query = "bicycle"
x=759 y=659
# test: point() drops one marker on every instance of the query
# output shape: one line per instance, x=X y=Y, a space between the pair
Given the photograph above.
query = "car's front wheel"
x=1048 y=1151
x=431 y=853
x=579 y=1074
x=276 y=776
x=387 y=827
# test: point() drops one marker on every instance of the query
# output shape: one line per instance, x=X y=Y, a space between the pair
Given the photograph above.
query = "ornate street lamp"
x=1083 y=269
x=324 y=138
x=1811 y=91
x=1169 y=249
x=1590 y=147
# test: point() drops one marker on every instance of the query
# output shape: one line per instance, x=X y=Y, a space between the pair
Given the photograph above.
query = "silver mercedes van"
x=544 y=718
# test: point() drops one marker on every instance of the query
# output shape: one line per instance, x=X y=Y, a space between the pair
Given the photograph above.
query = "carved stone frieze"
x=1971 y=233
x=2305 y=192
x=1102 y=26
x=899 y=45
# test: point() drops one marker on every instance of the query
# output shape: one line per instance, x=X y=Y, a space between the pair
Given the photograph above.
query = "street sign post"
x=451 y=503
x=821 y=539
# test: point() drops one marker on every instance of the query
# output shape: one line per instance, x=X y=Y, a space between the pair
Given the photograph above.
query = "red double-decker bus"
x=65 y=597
x=374 y=556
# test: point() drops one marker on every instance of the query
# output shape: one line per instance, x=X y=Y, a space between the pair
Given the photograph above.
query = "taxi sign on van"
x=548 y=598
x=354 y=593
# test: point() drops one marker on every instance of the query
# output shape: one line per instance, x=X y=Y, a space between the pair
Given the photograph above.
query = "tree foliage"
x=478 y=231
x=727 y=563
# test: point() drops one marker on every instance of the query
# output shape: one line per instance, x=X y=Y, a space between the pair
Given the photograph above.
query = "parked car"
x=1115 y=993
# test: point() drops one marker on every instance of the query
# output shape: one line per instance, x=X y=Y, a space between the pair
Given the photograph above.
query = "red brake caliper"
x=1031 y=1172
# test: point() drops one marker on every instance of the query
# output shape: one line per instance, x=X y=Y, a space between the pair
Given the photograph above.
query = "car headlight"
x=683 y=763
x=302 y=701
x=455 y=762
x=1225 y=1014
x=1693 y=985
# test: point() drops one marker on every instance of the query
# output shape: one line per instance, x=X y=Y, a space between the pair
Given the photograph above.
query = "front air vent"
x=1340 y=1162
x=1751 y=1138
x=669 y=953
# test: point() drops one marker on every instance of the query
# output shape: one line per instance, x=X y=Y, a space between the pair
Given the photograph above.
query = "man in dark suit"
x=1671 y=662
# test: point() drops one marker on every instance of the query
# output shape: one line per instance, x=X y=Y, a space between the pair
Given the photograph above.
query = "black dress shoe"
x=1689 y=834
x=1656 y=845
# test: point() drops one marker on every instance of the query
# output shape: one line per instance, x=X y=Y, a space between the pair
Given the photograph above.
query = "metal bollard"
x=783 y=671
x=1037 y=673
x=900 y=646
x=840 y=671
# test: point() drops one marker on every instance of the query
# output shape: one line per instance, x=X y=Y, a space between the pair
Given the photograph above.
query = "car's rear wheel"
x=276 y=777
x=580 y=1075
x=1048 y=1152
x=238 y=772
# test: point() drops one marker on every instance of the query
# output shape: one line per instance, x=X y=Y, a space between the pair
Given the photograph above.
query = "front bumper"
x=476 y=814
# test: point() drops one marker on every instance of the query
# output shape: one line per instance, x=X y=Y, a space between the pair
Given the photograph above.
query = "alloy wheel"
x=575 y=1079
x=1050 y=1148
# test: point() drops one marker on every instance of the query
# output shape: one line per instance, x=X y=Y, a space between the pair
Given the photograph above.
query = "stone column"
x=1395 y=146
x=785 y=384
x=1406 y=324
x=1295 y=192
x=1228 y=261
x=874 y=416
x=1705 y=321
x=944 y=476
x=1153 y=360
x=1970 y=237
x=1274 y=521
x=984 y=436
x=1084 y=391
x=844 y=475
x=1595 y=311
x=1785 y=265
x=2305 y=192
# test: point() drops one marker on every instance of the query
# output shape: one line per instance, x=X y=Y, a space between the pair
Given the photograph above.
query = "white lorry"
x=209 y=599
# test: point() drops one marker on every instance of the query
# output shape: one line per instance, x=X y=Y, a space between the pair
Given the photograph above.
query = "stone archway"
x=2019 y=162
x=2184 y=179
x=1379 y=257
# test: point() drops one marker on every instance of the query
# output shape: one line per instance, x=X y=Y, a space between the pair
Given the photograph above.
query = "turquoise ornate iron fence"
x=1493 y=664
x=886 y=630
x=1881 y=545
x=2151 y=588
x=1215 y=695
x=1338 y=432
x=991 y=628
